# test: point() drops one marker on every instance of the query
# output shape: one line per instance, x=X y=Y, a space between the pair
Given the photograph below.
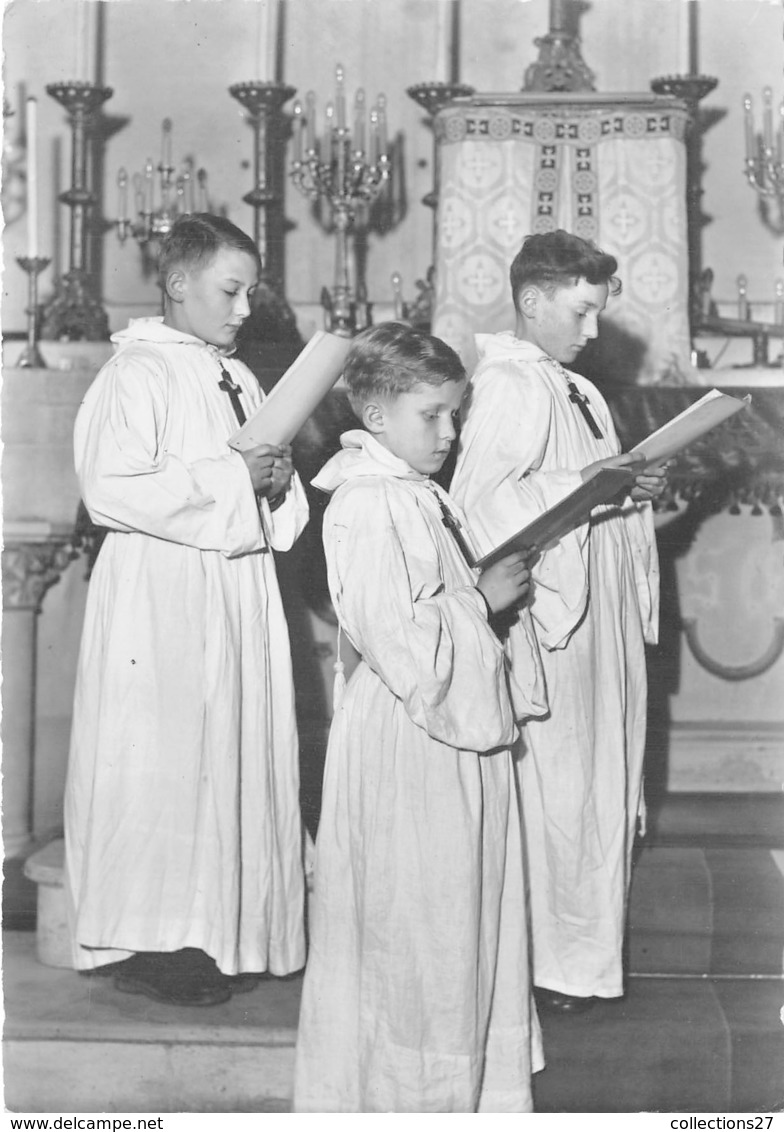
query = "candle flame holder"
x=31 y=357
x=75 y=312
x=764 y=167
x=339 y=168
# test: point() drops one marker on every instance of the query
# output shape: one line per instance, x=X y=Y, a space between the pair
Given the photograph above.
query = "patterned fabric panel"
x=616 y=177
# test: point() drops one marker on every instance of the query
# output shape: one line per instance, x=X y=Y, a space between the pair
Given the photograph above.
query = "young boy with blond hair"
x=416 y=994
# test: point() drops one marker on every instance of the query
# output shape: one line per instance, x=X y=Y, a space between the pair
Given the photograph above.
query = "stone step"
x=715 y=911
x=76 y=1044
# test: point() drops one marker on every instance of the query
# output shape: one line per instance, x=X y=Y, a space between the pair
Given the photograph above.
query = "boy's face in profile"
x=419 y=426
x=561 y=324
x=211 y=302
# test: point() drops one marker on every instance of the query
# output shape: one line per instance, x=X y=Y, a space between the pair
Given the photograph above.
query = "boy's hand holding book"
x=648 y=483
x=506 y=582
x=270 y=468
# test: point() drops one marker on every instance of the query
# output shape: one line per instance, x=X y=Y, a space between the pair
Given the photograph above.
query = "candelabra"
x=339 y=168
x=31 y=357
x=765 y=156
x=181 y=191
x=75 y=312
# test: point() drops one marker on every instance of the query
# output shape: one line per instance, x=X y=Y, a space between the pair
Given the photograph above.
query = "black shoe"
x=105 y=970
x=178 y=978
x=557 y=1003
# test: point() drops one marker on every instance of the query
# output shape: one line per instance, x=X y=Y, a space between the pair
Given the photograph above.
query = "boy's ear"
x=373 y=417
x=176 y=285
x=528 y=299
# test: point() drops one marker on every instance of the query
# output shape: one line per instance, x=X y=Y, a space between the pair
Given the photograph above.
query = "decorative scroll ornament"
x=31 y=568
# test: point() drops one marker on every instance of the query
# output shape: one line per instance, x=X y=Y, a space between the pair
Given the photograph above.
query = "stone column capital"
x=32 y=562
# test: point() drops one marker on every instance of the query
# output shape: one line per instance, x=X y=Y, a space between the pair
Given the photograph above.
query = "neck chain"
x=580 y=400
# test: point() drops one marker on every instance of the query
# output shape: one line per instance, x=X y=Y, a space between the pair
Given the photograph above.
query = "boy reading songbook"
x=534 y=432
x=416 y=995
x=183 y=840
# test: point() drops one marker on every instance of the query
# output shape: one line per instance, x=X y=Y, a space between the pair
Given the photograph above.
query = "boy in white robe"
x=417 y=993
x=182 y=823
x=533 y=432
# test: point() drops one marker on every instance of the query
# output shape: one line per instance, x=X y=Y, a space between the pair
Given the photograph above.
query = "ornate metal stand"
x=75 y=312
x=692 y=89
x=560 y=65
x=272 y=316
x=31 y=357
x=764 y=164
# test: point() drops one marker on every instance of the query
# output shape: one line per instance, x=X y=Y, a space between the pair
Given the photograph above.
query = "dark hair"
x=550 y=260
x=391 y=358
x=196 y=239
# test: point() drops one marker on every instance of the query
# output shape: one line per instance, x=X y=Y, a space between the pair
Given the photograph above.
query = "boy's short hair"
x=391 y=358
x=550 y=260
x=194 y=241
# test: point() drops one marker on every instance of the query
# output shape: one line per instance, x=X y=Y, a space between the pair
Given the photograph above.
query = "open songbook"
x=689 y=426
x=304 y=384
x=604 y=485
x=572 y=511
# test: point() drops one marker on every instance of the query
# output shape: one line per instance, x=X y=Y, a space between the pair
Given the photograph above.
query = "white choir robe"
x=417 y=991
x=182 y=819
x=595 y=605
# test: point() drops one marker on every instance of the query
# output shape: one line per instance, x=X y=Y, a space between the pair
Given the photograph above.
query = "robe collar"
x=153 y=329
x=491 y=347
x=362 y=455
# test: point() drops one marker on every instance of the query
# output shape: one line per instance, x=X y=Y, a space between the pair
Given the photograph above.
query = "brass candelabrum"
x=75 y=312
x=180 y=191
x=765 y=156
x=31 y=357
x=348 y=166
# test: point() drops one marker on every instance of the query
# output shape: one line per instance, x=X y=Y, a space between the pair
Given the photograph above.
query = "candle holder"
x=340 y=169
x=31 y=357
x=765 y=158
x=691 y=89
x=181 y=191
x=75 y=312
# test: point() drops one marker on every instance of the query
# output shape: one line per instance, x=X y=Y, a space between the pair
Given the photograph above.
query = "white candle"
x=359 y=121
x=31 y=129
x=340 y=97
x=443 y=40
x=86 y=44
x=748 y=125
x=297 y=130
x=267 y=40
x=310 y=121
x=767 y=118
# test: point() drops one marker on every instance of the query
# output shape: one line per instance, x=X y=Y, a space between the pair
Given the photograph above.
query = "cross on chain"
x=233 y=390
x=581 y=401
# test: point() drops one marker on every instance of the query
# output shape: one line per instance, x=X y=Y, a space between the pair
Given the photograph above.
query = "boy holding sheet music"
x=417 y=995
x=183 y=838
x=534 y=431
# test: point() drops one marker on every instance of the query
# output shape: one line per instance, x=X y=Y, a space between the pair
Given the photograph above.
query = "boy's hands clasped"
x=270 y=468
x=506 y=583
x=648 y=483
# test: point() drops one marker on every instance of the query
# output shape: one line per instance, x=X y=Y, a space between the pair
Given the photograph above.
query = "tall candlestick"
x=382 y=123
x=329 y=115
x=31 y=129
x=166 y=143
x=748 y=126
x=122 y=193
x=443 y=39
x=340 y=98
x=297 y=129
x=267 y=40
x=454 y=49
x=86 y=41
x=310 y=120
x=694 y=37
x=359 y=121
x=767 y=118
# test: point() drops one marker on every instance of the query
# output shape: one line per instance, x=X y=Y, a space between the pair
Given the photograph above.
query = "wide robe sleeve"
x=501 y=485
x=286 y=523
x=132 y=481
x=433 y=649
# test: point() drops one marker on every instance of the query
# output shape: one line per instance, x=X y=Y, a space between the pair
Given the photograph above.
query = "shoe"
x=557 y=1003
x=105 y=970
x=244 y=982
x=174 y=978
